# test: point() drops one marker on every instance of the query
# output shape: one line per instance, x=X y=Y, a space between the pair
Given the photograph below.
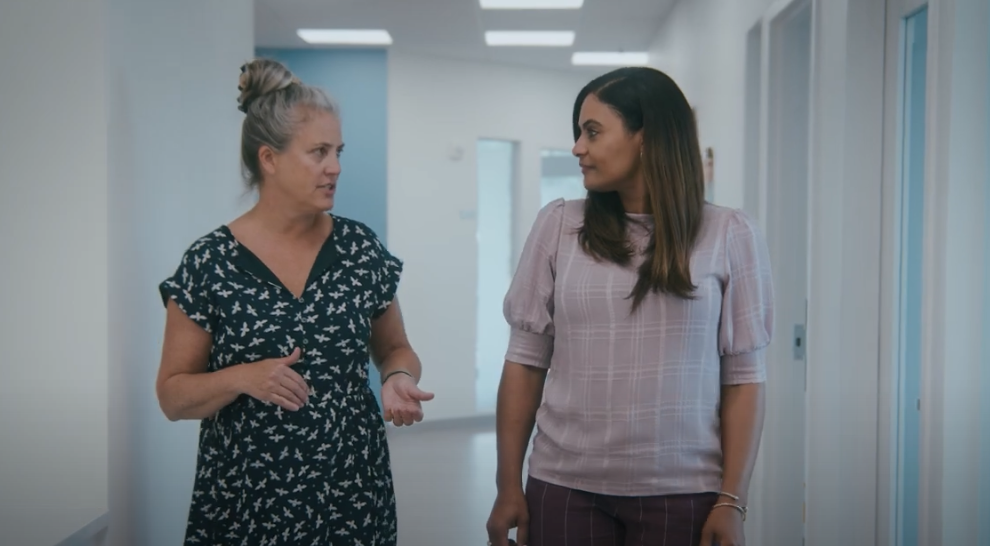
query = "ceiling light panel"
x=538 y=38
x=344 y=36
x=610 y=58
x=531 y=4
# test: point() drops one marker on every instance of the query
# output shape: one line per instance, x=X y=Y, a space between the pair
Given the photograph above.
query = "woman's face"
x=609 y=155
x=306 y=172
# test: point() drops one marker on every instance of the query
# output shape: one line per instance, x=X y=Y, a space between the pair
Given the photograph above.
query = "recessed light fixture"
x=550 y=38
x=610 y=58
x=531 y=4
x=344 y=36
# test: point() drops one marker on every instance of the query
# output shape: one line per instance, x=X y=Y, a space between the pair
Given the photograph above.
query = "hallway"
x=444 y=481
x=856 y=133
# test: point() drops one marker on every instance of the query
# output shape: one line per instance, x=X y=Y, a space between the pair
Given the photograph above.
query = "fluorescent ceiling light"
x=553 y=38
x=610 y=58
x=345 y=37
x=531 y=4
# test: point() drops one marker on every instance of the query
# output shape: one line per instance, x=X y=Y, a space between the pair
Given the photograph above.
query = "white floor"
x=444 y=482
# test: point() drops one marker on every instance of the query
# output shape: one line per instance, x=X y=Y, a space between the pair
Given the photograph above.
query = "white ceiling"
x=455 y=28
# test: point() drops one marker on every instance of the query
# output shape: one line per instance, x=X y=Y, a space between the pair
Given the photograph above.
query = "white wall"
x=53 y=291
x=436 y=105
x=174 y=132
x=703 y=46
x=956 y=179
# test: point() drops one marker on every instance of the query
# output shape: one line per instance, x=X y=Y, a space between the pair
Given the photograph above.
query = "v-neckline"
x=324 y=259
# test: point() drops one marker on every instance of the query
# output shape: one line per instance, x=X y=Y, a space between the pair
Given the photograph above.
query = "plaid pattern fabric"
x=631 y=399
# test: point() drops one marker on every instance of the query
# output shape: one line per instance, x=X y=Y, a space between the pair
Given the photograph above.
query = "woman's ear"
x=267 y=160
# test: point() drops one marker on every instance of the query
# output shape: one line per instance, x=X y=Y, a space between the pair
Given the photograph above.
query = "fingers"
x=421 y=395
x=290 y=396
x=522 y=532
x=282 y=402
x=294 y=382
x=402 y=414
x=290 y=378
x=292 y=358
x=402 y=403
x=497 y=534
x=403 y=418
x=706 y=537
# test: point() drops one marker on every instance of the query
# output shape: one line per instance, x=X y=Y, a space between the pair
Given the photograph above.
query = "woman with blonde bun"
x=270 y=322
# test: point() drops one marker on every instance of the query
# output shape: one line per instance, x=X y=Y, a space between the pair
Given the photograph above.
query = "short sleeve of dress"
x=388 y=271
x=189 y=287
x=528 y=306
x=747 y=304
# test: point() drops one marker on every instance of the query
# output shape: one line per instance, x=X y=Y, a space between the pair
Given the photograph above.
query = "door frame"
x=888 y=430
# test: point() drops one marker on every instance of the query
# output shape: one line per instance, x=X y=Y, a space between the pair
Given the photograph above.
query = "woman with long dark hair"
x=639 y=320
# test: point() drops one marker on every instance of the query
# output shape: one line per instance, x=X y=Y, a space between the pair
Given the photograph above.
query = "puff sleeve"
x=528 y=306
x=746 y=326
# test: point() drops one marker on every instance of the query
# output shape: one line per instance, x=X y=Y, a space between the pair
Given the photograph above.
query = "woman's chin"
x=325 y=204
x=599 y=188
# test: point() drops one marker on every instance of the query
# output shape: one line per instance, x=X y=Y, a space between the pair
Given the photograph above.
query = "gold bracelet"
x=742 y=509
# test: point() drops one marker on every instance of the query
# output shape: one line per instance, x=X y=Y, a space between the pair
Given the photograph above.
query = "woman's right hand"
x=510 y=510
x=273 y=380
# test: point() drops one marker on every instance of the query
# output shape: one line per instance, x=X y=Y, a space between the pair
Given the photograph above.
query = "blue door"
x=912 y=184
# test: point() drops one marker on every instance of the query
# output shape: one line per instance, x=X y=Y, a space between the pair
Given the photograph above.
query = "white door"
x=778 y=175
x=496 y=179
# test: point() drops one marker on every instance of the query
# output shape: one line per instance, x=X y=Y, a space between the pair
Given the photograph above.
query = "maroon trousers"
x=559 y=516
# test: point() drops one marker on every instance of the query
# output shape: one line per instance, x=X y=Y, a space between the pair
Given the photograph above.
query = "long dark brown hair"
x=648 y=99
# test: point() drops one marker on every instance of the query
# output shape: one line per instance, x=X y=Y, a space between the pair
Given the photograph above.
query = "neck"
x=634 y=199
x=281 y=218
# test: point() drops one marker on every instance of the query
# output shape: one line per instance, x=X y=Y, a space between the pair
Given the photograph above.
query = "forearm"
x=199 y=395
x=742 y=425
x=401 y=359
x=519 y=394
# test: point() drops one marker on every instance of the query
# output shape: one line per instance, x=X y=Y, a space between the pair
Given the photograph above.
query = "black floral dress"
x=267 y=476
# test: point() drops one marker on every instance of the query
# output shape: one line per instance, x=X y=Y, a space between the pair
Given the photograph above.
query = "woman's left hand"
x=402 y=400
x=724 y=527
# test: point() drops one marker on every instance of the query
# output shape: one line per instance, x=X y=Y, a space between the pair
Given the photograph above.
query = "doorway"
x=496 y=179
x=909 y=316
x=560 y=176
x=784 y=193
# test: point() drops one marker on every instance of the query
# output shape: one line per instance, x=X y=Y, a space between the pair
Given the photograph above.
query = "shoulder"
x=560 y=212
x=349 y=229
x=730 y=222
x=356 y=237
x=564 y=207
x=207 y=250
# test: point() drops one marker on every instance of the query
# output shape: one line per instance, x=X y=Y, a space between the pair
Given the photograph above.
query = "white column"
x=174 y=134
x=844 y=311
x=53 y=291
x=957 y=265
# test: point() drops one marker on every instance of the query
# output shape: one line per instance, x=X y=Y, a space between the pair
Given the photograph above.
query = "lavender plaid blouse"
x=630 y=405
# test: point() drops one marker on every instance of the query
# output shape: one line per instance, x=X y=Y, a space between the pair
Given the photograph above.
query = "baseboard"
x=481 y=421
x=93 y=534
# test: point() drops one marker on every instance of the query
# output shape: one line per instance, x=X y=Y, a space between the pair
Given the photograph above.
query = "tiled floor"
x=444 y=482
